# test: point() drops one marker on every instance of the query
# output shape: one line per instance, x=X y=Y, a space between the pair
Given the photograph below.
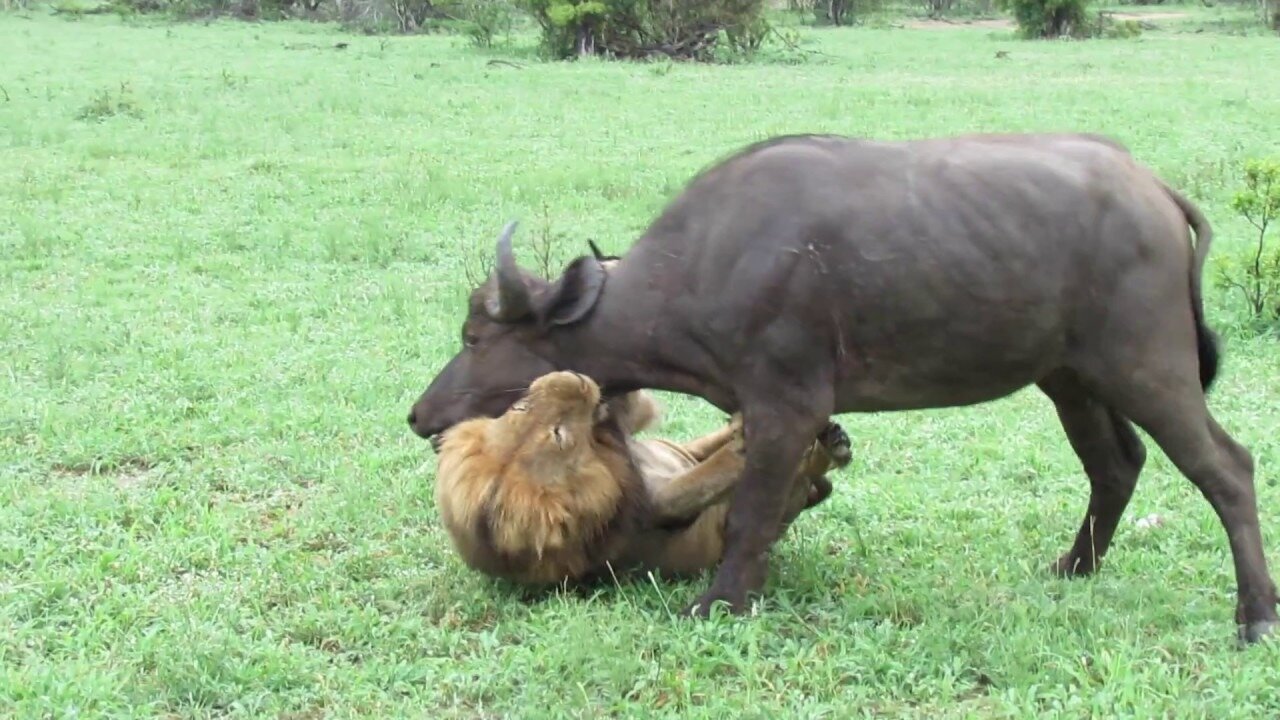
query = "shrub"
x=484 y=19
x=937 y=8
x=248 y=9
x=1048 y=18
x=412 y=15
x=107 y=104
x=682 y=29
x=842 y=12
x=1256 y=274
x=479 y=19
x=748 y=38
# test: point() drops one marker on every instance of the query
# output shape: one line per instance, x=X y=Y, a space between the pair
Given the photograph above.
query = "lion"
x=557 y=489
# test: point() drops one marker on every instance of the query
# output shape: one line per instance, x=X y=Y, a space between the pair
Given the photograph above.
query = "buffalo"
x=807 y=276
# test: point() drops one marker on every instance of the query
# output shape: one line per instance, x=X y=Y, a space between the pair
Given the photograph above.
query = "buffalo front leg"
x=1112 y=456
x=777 y=434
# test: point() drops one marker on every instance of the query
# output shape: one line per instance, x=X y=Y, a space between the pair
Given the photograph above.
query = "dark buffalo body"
x=807 y=276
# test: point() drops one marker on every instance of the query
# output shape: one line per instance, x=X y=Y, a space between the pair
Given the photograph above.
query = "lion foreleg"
x=707 y=445
x=689 y=493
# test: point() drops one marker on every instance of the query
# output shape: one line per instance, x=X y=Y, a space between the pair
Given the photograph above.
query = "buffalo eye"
x=469 y=340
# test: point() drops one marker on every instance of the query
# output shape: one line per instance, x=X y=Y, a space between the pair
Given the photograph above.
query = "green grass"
x=232 y=258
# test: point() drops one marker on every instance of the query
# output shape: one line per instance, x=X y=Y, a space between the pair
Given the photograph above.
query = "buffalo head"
x=508 y=339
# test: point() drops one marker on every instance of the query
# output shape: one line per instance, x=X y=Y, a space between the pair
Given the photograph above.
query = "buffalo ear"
x=571 y=297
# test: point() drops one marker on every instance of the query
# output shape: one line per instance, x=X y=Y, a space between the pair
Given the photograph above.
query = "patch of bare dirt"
x=939 y=24
x=1148 y=16
x=1005 y=23
x=126 y=473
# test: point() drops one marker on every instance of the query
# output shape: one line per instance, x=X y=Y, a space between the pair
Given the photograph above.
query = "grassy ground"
x=231 y=260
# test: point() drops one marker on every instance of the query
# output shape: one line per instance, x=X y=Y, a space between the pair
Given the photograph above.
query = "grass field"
x=231 y=259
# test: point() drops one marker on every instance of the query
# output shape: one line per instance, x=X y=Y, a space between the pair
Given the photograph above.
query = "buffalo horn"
x=513 y=294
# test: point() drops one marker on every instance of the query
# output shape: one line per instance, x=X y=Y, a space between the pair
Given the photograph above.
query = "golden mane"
x=514 y=513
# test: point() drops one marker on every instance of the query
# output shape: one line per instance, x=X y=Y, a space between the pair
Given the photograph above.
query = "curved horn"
x=512 y=294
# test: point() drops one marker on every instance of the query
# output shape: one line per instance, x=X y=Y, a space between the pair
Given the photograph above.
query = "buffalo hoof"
x=1069 y=567
x=836 y=441
x=1255 y=632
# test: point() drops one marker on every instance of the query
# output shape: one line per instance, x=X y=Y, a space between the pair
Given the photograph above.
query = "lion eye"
x=521 y=406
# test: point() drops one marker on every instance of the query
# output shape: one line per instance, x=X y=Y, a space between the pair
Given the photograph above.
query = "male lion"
x=556 y=488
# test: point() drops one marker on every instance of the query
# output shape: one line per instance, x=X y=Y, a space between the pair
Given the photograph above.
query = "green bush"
x=1048 y=18
x=106 y=104
x=1256 y=274
x=483 y=20
x=682 y=29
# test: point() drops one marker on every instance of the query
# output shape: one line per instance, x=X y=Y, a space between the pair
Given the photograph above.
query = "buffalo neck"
x=632 y=341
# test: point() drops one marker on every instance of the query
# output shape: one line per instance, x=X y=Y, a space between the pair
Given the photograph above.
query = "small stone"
x=1153 y=520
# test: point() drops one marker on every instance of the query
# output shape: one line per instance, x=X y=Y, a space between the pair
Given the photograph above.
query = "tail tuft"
x=1207 y=349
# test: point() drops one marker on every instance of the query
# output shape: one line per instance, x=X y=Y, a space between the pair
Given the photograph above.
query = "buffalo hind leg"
x=777 y=434
x=1112 y=456
x=1170 y=406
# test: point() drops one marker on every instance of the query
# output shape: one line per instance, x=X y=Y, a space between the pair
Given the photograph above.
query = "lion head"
x=535 y=494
